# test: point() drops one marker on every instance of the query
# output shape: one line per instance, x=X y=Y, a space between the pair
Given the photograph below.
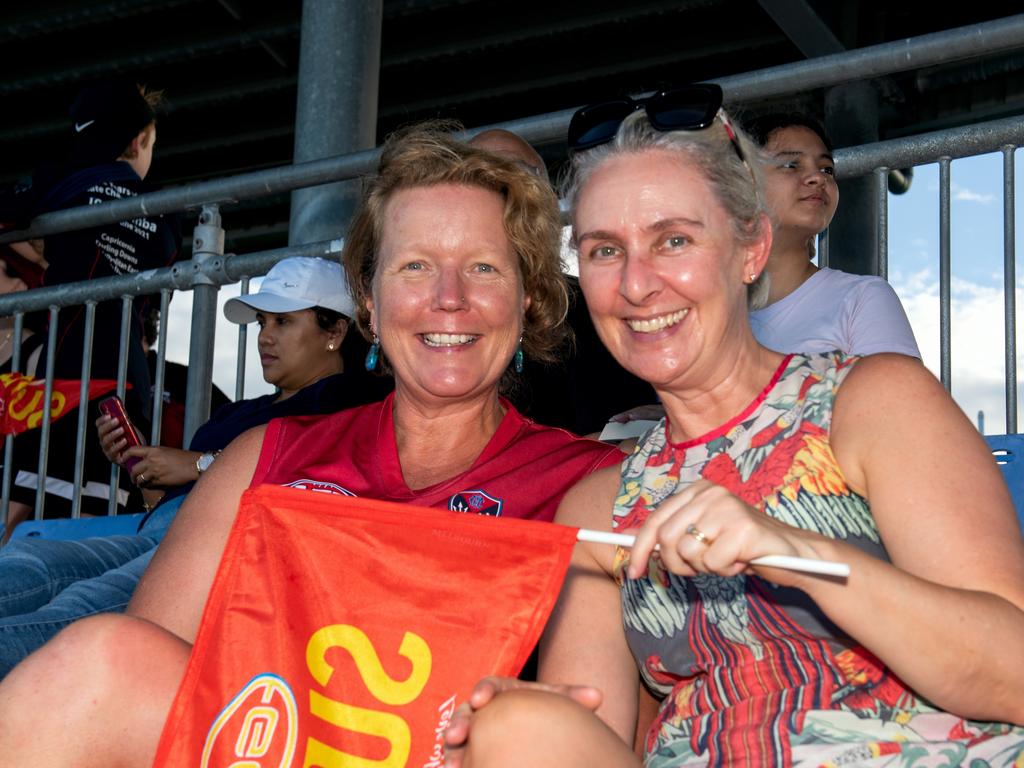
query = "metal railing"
x=210 y=268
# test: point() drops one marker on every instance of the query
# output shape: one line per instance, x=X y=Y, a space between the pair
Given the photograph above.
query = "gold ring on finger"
x=698 y=534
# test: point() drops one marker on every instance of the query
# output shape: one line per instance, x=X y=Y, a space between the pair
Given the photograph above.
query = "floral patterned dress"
x=754 y=674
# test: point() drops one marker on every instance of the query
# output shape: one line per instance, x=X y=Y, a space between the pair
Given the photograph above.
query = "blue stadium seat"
x=1009 y=453
x=84 y=528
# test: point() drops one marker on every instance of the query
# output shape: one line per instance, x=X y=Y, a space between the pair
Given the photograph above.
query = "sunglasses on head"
x=686 y=108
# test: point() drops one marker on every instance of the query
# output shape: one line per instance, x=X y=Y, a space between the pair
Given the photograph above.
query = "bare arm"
x=173 y=590
x=584 y=642
x=947 y=615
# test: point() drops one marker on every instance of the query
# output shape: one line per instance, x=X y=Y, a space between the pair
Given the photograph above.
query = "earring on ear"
x=517 y=358
x=330 y=347
x=753 y=276
x=373 y=356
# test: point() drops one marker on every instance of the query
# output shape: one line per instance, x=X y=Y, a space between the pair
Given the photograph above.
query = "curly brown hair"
x=426 y=154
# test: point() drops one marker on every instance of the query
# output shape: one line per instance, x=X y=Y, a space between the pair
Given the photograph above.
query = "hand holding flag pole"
x=804 y=564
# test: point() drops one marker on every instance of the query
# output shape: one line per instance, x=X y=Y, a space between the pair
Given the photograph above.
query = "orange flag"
x=345 y=631
x=21 y=399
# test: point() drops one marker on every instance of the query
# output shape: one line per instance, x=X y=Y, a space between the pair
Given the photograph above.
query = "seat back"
x=1008 y=451
x=83 y=528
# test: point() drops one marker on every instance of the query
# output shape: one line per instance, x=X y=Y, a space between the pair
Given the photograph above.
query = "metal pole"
x=882 y=234
x=1009 y=290
x=851 y=116
x=161 y=360
x=208 y=246
x=336 y=112
x=83 y=408
x=944 y=275
x=122 y=378
x=5 y=494
x=44 y=430
x=243 y=333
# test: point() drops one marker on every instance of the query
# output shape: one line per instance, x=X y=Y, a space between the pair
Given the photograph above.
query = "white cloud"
x=969 y=195
x=976 y=341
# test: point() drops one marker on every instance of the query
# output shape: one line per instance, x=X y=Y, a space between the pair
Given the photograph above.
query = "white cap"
x=300 y=282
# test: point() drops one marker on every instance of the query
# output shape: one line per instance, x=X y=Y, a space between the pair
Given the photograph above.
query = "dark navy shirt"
x=328 y=395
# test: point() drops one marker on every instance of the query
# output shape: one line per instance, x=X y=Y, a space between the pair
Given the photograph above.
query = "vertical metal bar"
x=5 y=494
x=122 y=377
x=882 y=203
x=944 y=275
x=823 y=249
x=207 y=245
x=243 y=331
x=336 y=108
x=44 y=430
x=83 y=408
x=161 y=364
x=1009 y=290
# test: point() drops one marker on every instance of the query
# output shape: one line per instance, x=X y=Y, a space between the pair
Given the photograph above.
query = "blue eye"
x=604 y=252
x=485 y=268
x=414 y=266
x=676 y=241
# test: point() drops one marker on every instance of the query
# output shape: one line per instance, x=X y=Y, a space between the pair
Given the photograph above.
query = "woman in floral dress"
x=916 y=658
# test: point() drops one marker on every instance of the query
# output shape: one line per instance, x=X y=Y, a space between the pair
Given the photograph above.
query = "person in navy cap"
x=112 y=130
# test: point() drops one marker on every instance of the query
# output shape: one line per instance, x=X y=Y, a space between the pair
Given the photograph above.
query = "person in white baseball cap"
x=303 y=309
x=293 y=284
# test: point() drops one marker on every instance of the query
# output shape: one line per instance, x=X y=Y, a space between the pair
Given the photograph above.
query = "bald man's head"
x=507 y=144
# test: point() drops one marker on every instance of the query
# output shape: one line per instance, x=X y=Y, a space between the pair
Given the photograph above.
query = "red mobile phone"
x=114 y=408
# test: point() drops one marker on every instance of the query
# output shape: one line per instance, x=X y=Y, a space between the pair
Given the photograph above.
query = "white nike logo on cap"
x=83 y=126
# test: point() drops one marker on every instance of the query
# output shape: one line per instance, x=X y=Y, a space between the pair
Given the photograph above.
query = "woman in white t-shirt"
x=812 y=309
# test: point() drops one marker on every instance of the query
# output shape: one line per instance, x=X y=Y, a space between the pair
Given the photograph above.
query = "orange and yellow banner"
x=21 y=399
x=344 y=631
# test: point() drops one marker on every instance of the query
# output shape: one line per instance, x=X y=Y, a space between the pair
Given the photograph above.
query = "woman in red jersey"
x=454 y=262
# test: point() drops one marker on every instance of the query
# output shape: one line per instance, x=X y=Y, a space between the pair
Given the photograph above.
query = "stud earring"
x=373 y=355
x=330 y=347
x=753 y=276
x=517 y=358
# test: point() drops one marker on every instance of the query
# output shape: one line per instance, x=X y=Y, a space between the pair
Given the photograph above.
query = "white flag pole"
x=804 y=564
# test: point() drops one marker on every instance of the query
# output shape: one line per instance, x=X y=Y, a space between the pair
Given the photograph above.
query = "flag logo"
x=476 y=502
x=259 y=726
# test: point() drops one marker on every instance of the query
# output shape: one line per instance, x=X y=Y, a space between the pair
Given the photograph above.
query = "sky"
x=977 y=356
x=976 y=256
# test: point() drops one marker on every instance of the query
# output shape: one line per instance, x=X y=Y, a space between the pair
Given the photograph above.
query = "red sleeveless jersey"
x=523 y=472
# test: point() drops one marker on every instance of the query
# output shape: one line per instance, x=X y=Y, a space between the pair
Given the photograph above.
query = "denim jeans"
x=46 y=584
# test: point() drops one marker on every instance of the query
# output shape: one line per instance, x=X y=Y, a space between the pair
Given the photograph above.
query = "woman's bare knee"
x=105 y=685
x=539 y=728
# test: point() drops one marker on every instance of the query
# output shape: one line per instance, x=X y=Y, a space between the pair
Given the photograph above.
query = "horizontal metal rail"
x=967 y=42
x=182 y=276
x=954 y=143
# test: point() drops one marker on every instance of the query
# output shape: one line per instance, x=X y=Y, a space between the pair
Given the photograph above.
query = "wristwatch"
x=203 y=462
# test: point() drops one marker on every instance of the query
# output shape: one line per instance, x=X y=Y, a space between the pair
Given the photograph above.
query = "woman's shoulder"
x=550 y=440
x=588 y=504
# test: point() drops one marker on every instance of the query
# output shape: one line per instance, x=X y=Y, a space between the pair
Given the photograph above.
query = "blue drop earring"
x=373 y=355
x=517 y=358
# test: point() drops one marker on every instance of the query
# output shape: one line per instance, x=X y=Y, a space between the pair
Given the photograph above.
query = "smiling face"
x=663 y=275
x=293 y=349
x=447 y=299
x=799 y=179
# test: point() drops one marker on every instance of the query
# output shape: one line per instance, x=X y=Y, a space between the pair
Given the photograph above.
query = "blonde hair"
x=426 y=154
x=736 y=184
